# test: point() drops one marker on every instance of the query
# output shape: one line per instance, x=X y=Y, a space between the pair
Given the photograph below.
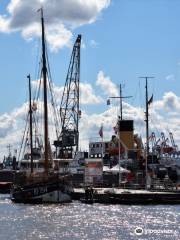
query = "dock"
x=127 y=196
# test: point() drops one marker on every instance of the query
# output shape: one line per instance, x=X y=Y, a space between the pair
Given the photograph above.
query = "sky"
x=122 y=41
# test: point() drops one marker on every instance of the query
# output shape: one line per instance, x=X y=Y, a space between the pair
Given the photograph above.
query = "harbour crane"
x=69 y=107
x=155 y=142
x=172 y=141
x=164 y=140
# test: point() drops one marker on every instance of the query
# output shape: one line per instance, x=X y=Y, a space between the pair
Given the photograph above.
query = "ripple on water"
x=80 y=221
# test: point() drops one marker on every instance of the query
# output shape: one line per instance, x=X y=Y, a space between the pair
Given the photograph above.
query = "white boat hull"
x=55 y=197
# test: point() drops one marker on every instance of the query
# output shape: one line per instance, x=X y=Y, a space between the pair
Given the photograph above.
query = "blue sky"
x=135 y=38
x=132 y=38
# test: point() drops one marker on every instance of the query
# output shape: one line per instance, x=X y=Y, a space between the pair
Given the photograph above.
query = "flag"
x=40 y=9
x=150 y=100
x=101 y=132
x=108 y=102
x=115 y=129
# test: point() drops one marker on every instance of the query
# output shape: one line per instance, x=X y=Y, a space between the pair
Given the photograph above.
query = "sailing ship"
x=45 y=186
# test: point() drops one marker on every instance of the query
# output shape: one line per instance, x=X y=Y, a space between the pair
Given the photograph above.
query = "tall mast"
x=147 y=126
x=44 y=72
x=147 y=119
x=30 y=123
x=120 y=94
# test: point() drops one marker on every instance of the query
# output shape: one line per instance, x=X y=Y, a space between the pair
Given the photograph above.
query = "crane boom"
x=69 y=107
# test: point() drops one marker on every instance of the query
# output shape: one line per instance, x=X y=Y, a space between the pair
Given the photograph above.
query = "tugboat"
x=46 y=186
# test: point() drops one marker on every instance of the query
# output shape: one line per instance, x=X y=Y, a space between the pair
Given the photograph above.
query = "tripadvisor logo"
x=138 y=231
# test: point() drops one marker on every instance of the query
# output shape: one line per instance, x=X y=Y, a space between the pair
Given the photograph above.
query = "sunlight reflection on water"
x=80 y=221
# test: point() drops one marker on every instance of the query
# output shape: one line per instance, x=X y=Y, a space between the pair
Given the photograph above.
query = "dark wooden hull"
x=7 y=175
x=5 y=187
x=53 y=192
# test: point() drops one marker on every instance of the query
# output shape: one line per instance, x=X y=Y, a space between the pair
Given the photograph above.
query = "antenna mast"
x=120 y=97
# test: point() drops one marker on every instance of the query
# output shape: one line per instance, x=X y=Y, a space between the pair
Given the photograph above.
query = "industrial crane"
x=164 y=140
x=165 y=147
x=153 y=139
x=69 y=107
x=155 y=142
x=172 y=141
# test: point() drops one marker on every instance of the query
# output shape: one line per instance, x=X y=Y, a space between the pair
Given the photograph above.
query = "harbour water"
x=76 y=221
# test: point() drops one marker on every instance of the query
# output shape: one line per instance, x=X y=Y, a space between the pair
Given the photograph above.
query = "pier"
x=127 y=196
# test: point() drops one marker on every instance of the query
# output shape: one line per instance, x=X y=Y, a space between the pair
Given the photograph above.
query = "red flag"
x=101 y=132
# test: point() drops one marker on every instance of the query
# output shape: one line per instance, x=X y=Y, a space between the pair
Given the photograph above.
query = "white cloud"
x=108 y=87
x=93 y=43
x=61 y=17
x=88 y=95
x=170 y=102
x=164 y=115
x=4 y=24
x=59 y=36
x=6 y=123
x=170 y=77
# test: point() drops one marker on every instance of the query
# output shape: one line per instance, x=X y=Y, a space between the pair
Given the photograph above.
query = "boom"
x=69 y=108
